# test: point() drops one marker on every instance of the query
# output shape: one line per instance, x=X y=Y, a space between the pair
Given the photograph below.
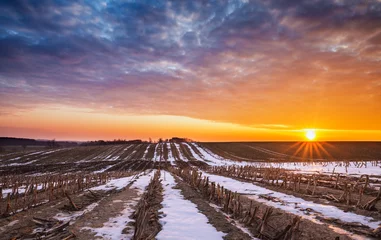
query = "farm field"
x=191 y=190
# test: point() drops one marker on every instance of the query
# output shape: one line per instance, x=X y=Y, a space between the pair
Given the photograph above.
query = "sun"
x=310 y=134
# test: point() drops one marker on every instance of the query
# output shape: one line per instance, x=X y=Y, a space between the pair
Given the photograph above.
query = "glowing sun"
x=310 y=134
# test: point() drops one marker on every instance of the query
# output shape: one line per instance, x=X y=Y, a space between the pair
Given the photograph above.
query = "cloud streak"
x=247 y=62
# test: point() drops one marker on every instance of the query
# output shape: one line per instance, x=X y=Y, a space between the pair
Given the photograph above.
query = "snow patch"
x=71 y=216
x=182 y=220
x=289 y=203
x=171 y=159
x=181 y=156
x=113 y=228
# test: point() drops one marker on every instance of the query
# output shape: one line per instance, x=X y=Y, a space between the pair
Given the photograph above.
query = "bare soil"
x=108 y=207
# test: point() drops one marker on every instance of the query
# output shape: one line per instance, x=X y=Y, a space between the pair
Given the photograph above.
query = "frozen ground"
x=182 y=220
x=370 y=168
x=171 y=159
x=113 y=228
x=215 y=160
x=289 y=203
x=181 y=156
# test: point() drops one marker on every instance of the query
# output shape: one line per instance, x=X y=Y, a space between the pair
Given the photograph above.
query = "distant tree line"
x=24 y=142
x=136 y=141
x=113 y=142
x=177 y=139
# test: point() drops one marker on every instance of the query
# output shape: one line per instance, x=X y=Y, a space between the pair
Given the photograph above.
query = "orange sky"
x=83 y=124
x=210 y=71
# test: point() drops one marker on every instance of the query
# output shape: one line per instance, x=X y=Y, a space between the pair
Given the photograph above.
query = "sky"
x=236 y=70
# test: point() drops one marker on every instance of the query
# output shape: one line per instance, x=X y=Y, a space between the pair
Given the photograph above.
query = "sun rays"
x=310 y=150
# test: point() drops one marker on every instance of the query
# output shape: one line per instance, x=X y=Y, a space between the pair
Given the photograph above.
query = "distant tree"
x=160 y=140
x=52 y=144
x=149 y=140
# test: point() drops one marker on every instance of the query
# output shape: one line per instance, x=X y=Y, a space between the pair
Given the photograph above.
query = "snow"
x=127 y=147
x=112 y=229
x=216 y=160
x=71 y=216
x=41 y=154
x=116 y=184
x=34 y=153
x=235 y=223
x=110 y=154
x=21 y=189
x=332 y=167
x=181 y=156
x=10 y=224
x=146 y=151
x=171 y=159
x=103 y=169
x=213 y=160
x=141 y=183
x=20 y=164
x=182 y=220
x=369 y=168
x=194 y=154
x=109 y=158
x=9 y=190
x=155 y=153
x=290 y=203
x=52 y=151
x=14 y=159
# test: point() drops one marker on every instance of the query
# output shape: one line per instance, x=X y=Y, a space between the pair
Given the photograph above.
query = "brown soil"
x=109 y=207
x=25 y=225
x=111 y=203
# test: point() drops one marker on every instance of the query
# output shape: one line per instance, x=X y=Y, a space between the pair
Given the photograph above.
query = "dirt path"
x=109 y=207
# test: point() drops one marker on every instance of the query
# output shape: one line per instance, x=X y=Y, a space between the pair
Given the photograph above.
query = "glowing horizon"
x=83 y=125
x=237 y=71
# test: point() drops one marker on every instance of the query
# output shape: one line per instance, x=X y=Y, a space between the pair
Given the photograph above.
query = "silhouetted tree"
x=53 y=144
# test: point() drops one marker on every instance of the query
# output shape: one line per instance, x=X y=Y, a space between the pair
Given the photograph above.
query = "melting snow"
x=116 y=184
x=181 y=156
x=112 y=229
x=216 y=160
x=332 y=167
x=171 y=159
x=182 y=220
x=70 y=216
x=146 y=151
x=292 y=204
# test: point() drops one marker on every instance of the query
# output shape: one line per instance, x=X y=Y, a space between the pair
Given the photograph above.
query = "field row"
x=265 y=200
x=173 y=199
